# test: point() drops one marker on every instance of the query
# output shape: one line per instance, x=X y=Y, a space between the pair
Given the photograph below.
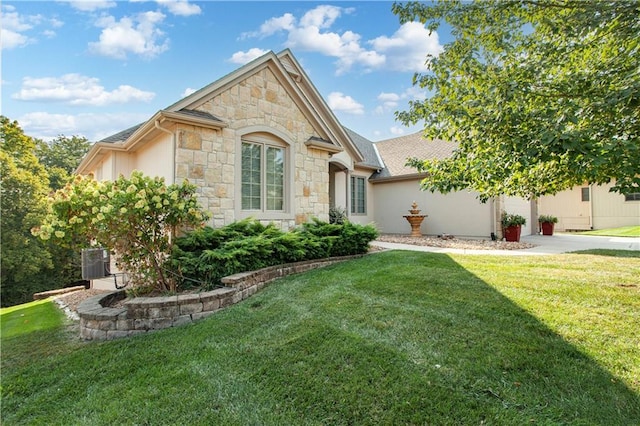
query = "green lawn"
x=29 y=317
x=392 y=338
x=625 y=231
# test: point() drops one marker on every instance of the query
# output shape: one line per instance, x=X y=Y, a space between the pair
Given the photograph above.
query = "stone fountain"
x=415 y=220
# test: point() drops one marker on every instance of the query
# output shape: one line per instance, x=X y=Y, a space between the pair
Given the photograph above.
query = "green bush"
x=511 y=219
x=547 y=218
x=202 y=257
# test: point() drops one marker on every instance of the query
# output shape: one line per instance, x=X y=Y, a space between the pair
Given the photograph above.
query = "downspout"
x=173 y=168
x=348 y=192
x=492 y=218
x=173 y=148
x=590 y=206
x=497 y=213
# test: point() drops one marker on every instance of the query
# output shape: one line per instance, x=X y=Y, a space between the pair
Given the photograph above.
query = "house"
x=458 y=213
x=261 y=142
x=591 y=207
x=258 y=142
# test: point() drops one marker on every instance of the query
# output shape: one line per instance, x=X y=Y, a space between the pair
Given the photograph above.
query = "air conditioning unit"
x=95 y=263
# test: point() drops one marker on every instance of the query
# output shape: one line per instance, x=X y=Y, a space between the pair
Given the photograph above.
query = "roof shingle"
x=395 y=153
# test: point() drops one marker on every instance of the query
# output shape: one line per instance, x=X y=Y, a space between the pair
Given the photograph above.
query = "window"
x=358 y=196
x=263 y=176
x=634 y=196
x=585 y=194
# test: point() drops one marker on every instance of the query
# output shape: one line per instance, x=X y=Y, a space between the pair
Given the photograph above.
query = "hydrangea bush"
x=135 y=218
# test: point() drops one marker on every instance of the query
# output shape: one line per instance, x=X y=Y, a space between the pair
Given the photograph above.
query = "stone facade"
x=209 y=158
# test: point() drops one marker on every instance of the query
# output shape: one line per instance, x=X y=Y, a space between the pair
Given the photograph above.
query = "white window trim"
x=352 y=188
x=267 y=137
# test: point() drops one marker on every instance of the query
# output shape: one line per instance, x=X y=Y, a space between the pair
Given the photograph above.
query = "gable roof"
x=184 y=114
x=371 y=159
x=395 y=152
x=289 y=73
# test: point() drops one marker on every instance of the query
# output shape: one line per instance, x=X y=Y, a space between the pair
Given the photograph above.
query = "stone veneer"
x=208 y=158
x=140 y=315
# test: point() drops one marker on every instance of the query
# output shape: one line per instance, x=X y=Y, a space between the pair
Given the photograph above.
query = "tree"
x=136 y=218
x=540 y=95
x=61 y=157
x=24 y=189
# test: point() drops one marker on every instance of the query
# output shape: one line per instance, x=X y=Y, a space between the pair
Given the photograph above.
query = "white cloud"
x=139 y=35
x=310 y=33
x=91 y=5
x=338 y=101
x=180 y=7
x=407 y=48
x=271 y=26
x=415 y=93
x=389 y=100
x=76 y=89
x=13 y=26
x=248 y=56
x=11 y=39
x=46 y=126
x=188 y=91
x=322 y=16
x=395 y=130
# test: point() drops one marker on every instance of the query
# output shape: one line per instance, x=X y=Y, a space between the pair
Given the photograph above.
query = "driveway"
x=557 y=243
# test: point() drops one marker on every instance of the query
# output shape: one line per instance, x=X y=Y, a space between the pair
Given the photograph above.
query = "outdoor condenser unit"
x=95 y=263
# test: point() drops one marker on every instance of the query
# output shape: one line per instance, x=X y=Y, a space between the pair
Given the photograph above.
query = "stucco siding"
x=516 y=205
x=104 y=169
x=458 y=213
x=604 y=209
x=610 y=210
x=155 y=159
x=568 y=207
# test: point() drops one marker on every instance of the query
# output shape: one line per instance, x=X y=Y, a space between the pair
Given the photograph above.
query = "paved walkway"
x=557 y=243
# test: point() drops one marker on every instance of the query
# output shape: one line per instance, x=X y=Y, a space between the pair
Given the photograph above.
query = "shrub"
x=135 y=218
x=204 y=256
x=509 y=219
x=544 y=218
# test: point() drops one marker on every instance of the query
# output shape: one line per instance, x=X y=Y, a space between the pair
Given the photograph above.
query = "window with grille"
x=358 y=195
x=263 y=177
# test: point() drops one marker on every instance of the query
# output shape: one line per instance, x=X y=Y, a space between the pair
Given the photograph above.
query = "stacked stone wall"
x=207 y=157
x=99 y=321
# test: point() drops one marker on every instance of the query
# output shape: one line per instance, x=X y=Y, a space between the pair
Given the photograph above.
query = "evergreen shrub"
x=204 y=256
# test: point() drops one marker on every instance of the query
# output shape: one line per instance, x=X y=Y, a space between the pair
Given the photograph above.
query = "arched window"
x=263 y=174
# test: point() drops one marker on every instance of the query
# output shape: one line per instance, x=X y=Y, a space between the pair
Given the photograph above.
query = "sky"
x=94 y=68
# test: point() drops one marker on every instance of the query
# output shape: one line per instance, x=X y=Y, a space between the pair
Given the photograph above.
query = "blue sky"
x=93 y=68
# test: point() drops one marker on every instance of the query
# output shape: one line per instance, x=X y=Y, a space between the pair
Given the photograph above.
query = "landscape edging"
x=99 y=321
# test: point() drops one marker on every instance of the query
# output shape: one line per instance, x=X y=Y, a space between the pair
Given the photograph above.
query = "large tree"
x=24 y=190
x=540 y=95
x=61 y=157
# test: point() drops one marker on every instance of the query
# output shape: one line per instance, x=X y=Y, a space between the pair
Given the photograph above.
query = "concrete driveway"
x=557 y=243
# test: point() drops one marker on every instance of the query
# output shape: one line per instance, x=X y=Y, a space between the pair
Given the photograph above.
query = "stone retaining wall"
x=48 y=294
x=98 y=321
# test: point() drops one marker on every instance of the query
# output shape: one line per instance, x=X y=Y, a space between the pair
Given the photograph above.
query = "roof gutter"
x=412 y=176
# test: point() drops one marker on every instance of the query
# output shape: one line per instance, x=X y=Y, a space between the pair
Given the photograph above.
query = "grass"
x=625 y=231
x=29 y=317
x=610 y=252
x=392 y=338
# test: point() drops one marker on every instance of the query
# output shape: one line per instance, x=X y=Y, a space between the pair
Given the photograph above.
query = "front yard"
x=392 y=338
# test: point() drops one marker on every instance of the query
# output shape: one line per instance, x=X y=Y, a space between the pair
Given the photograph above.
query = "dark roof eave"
x=397 y=178
x=322 y=145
